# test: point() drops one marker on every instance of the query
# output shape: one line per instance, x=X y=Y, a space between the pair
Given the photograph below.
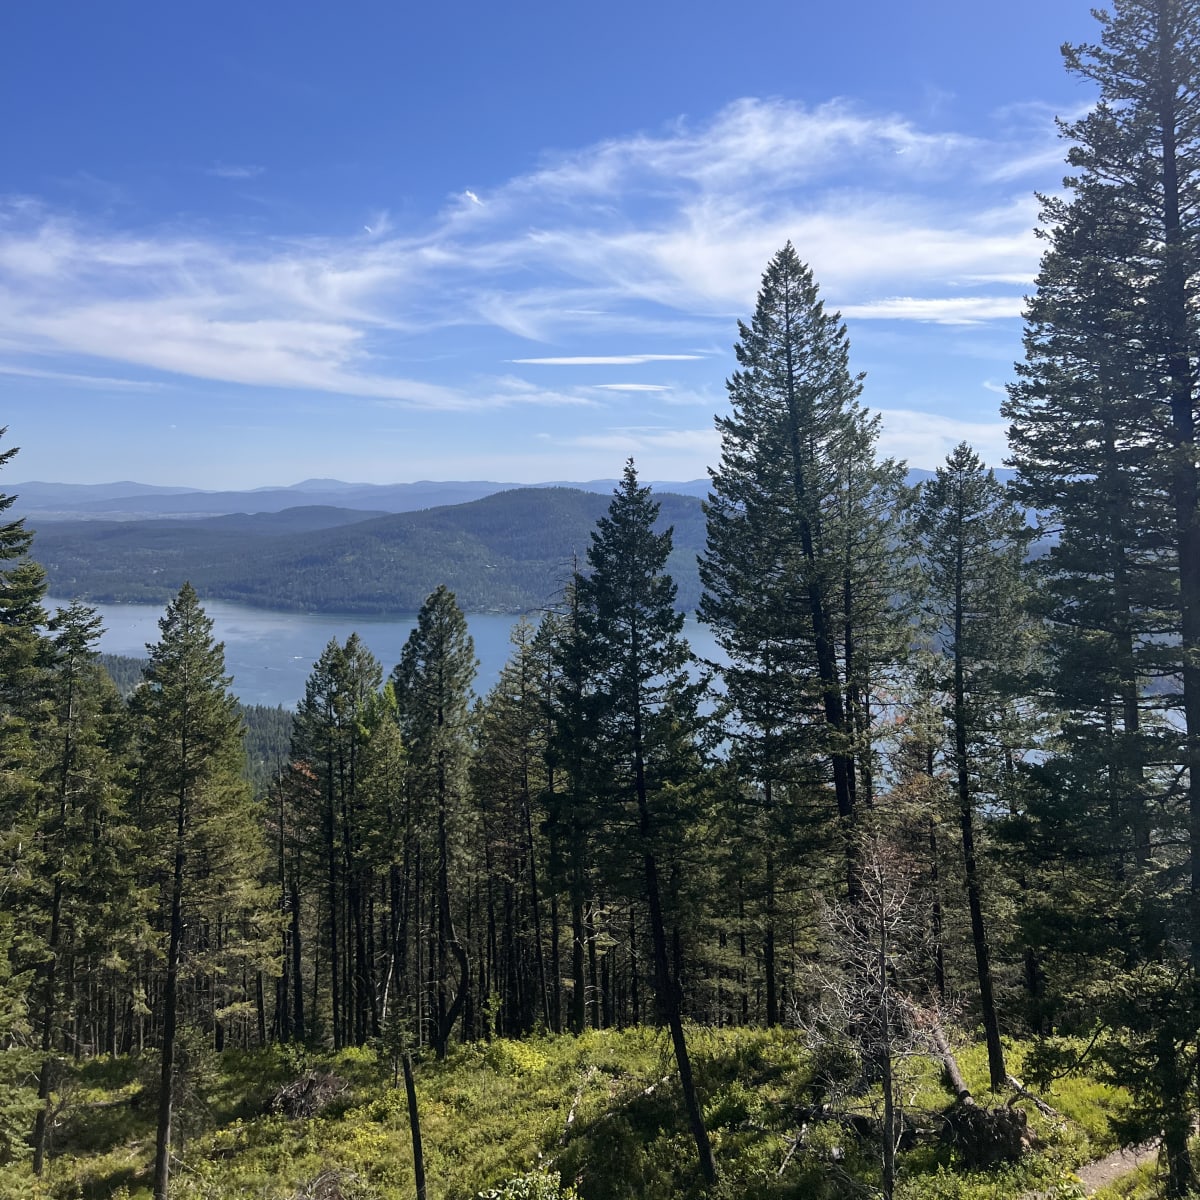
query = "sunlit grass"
x=496 y=1110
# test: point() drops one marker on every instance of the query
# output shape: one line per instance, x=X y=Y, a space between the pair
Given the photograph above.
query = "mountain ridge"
x=511 y=551
x=139 y=501
x=105 y=501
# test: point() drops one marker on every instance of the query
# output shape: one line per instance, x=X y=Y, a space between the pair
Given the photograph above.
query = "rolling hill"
x=508 y=552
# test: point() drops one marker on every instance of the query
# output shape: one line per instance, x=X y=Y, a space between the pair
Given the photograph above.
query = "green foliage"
x=18 y=1103
x=508 y=1057
x=495 y=1122
x=536 y=1185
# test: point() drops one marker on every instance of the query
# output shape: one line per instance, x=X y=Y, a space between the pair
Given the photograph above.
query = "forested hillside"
x=510 y=552
x=903 y=903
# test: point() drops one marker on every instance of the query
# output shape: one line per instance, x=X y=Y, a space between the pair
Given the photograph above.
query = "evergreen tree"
x=23 y=654
x=90 y=910
x=572 y=755
x=799 y=574
x=630 y=638
x=509 y=785
x=1104 y=435
x=432 y=683
x=200 y=818
x=330 y=737
x=970 y=541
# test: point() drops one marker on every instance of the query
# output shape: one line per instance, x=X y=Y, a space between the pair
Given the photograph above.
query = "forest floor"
x=601 y=1111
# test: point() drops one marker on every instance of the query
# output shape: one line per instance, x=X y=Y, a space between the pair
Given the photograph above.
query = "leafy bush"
x=507 y=1057
x=537 y=1185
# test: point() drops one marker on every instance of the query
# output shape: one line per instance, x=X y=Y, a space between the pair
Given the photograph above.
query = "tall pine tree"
x=199 y=819
x=970 y=541
x=645 y=708
x=799 y=574
x=1104 y=435
x=433 y=683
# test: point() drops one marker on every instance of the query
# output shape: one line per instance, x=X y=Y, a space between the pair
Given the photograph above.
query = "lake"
x=271 y=654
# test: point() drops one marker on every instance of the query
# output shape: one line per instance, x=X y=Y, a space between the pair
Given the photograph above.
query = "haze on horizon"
x=241 y=248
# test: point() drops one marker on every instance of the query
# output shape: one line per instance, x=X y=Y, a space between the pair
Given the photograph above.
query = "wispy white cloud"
x=632 y=387
x=704 y=443
x=948 y=310
x=607 y=360
x=926 y=439
x=234 y=171
x=660 y=236
x=106 y=382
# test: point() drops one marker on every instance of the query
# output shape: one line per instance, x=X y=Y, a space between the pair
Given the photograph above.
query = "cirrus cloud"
x=660 y=236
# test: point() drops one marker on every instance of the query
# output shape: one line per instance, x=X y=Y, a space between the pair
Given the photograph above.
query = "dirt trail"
x=1111 y=1167
x=1102 y=1171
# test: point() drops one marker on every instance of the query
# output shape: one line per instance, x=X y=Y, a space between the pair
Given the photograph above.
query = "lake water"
x=271 y=654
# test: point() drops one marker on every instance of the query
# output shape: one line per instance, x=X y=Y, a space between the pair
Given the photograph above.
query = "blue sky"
x=243 y=245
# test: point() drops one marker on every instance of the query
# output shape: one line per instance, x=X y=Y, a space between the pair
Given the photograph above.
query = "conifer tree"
x=433 y=683
x=630 y=638
x=330 y=737
x=23 y=654
x=91 y=912
x=970 y=541
x=572 y=754
x=1104 y=435
x=199 y=816
x=509 y=783
x=799 y=575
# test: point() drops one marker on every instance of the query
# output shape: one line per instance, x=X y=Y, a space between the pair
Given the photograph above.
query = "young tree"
x=799 y=574
x=970 y=542
x=645 y=712
x=868 y=1000
x=198 y=814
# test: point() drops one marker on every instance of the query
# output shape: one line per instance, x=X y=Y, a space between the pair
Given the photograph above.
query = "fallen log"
x=982 y=1136
x=958 y=1085
x=1023 y=1093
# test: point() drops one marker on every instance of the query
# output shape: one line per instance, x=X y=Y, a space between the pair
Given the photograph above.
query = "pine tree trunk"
x=983 y=964
x=535 y=906
x=939 y=959
x=414 y=1125
x=668 y=988
x=448 y=1015
x=578 y=938
x=162 y=1141
x=297 y=958
x=335 y=996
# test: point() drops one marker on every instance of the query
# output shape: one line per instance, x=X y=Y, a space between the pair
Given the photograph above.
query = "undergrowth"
x=596 y=1117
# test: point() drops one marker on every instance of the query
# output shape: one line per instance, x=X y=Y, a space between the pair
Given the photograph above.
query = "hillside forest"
x=902 y=900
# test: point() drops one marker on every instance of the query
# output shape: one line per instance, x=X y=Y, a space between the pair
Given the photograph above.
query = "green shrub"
x=536 y=1185
x=507 y=1057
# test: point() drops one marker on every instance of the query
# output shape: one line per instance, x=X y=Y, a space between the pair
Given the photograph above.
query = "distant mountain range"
x=129 y=501
x=328 y=546
x=141 y=501
x=512 y=551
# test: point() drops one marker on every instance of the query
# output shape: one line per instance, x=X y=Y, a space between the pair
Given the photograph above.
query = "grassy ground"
x=494 y=1111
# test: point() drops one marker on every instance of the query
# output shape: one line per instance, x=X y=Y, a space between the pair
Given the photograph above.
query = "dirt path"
x=1111 y=1167
x=1102 y=1171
